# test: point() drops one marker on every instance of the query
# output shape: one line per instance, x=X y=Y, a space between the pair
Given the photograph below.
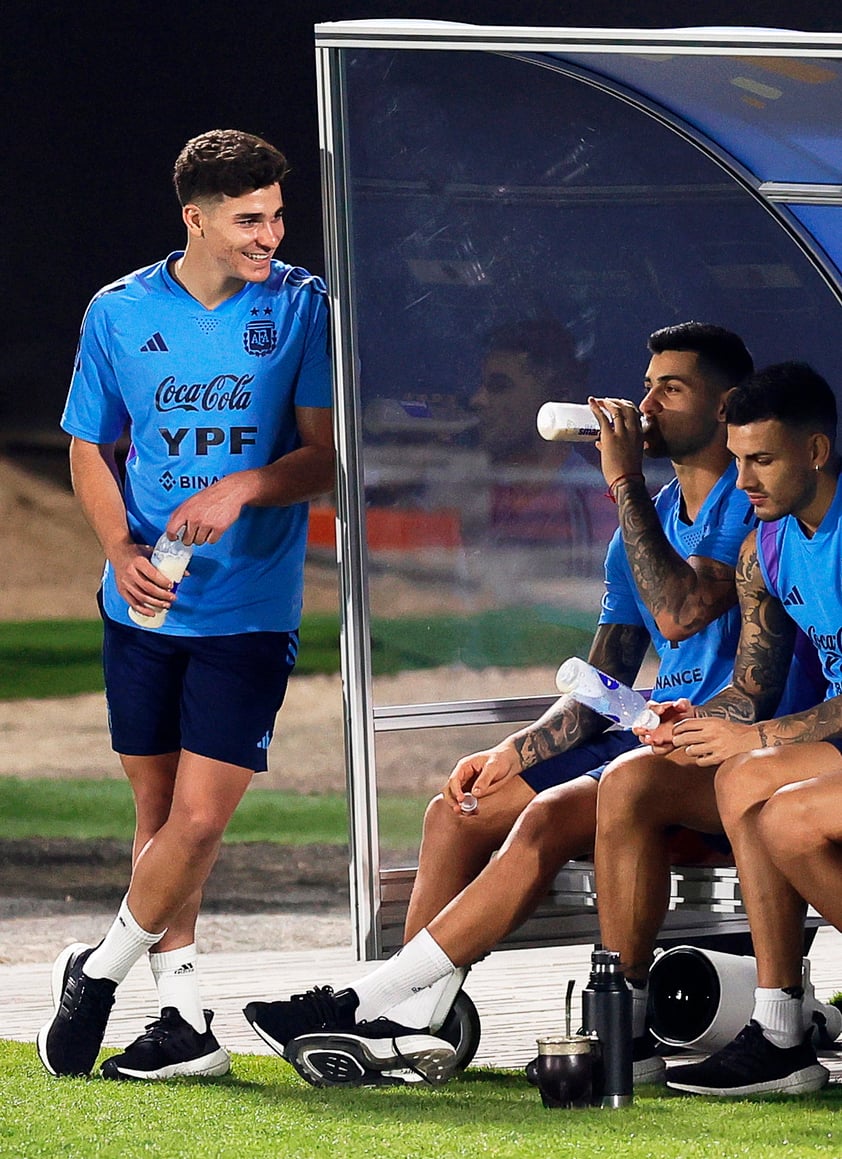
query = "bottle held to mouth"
x=567 y=422
x=604 y=694
x=171 y=557
x=571 y=422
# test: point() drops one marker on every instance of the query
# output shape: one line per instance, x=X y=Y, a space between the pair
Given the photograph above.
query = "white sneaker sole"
x=209 y=1066
x=57 y=980
x=342 y=1059
x=800 y=1082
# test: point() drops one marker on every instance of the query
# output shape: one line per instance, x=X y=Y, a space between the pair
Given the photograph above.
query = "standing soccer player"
x=216 y=362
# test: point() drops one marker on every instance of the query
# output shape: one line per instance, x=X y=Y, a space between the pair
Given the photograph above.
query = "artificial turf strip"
x=263 y=1109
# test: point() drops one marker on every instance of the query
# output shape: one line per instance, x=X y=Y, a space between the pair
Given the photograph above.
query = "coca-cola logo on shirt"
x=223 y=392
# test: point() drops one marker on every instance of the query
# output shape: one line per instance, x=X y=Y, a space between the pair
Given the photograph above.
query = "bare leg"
x=454 y=849
x=171 y=869
x=153 y=783
x=557 y=825
x=775 y=908
x=801 y=829
x=640 y=796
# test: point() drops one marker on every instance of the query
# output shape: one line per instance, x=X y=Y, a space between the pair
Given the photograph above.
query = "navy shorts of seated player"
x=216 y=696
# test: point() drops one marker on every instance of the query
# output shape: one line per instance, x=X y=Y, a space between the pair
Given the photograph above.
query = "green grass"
x=91 y=809
x=264 y=1110
x=40 y=658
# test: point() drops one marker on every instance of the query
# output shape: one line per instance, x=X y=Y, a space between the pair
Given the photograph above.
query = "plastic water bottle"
x=171 y=557
x=569 y=422
x=604 y=694
x=469 y=803
x=606 y=1013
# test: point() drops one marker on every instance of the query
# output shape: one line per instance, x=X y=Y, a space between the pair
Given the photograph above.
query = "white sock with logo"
x=418 y=965
x=122 y=946
x=177 y=983
x=781 y=1016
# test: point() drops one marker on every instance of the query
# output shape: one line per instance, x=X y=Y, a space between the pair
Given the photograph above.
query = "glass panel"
x=777 y=115
x=516 y=235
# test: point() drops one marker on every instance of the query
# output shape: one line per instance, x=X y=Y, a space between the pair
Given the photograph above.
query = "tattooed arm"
x=735 y=720
x=683 y=595
x=617 y=649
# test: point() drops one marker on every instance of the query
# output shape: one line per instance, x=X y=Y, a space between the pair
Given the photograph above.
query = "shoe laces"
x=157 y=1031
x=321 y=1001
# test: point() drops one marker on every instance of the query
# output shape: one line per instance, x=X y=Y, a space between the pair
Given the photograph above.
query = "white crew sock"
x=640 y=1002
x=121 y=947
x=429 y=1008
x=781 y=1016
x=177 y=983
x=418 y=965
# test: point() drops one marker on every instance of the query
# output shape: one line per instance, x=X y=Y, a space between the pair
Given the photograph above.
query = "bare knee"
x=198 y=831
x=630 y=791
x=791 y=824
x=744 y=783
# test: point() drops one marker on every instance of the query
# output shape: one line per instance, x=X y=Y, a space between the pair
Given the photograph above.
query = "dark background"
x=100 y=97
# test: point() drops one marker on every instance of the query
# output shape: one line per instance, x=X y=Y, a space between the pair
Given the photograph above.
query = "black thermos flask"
x=606 y=1012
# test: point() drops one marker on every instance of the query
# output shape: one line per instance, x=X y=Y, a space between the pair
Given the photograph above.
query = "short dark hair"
x=226 y=162
x=790 y=392
x=549 y=346
x=720 y=352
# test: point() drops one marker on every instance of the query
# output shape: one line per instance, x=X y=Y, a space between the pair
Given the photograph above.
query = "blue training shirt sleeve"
x=313 y=385
x=726 y=531
x=95 y=410
x=619 y=604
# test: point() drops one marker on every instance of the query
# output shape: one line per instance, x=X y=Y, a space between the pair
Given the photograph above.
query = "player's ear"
x=723 y=403
x=821 y=449
x=193 y=218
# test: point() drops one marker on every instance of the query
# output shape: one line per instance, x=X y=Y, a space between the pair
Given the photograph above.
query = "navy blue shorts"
x=212 y=695
x=586 y=760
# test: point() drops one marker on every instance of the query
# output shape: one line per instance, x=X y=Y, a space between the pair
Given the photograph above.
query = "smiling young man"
x=216 y=362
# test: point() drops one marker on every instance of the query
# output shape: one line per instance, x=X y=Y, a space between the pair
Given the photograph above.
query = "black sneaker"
x=170 y=1047
x=70 y=1041
x=370 y=1057
x=317 y=1010
x=752 y=1065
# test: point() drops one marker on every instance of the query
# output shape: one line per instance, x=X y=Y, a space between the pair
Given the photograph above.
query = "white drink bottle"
x=569 y=422
x=171 y=557
x=604 y=694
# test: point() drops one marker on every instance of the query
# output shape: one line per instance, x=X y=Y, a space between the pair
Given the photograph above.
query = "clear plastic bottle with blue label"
x=604 y=694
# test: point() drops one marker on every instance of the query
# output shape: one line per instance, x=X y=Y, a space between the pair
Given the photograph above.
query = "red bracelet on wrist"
x=620 y=478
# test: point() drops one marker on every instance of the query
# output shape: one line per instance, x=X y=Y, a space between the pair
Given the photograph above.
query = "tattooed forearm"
x=566 y=725
x=682 y=598
x=617 y=649
x=819 y=723
x=764 y=654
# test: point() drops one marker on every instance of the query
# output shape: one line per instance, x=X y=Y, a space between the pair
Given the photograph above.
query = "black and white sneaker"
x=317 y=1010
x=752 y=1065
x=317 y=1033
x=341 y=1059
x=69 y=1043
x=170 y=1047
